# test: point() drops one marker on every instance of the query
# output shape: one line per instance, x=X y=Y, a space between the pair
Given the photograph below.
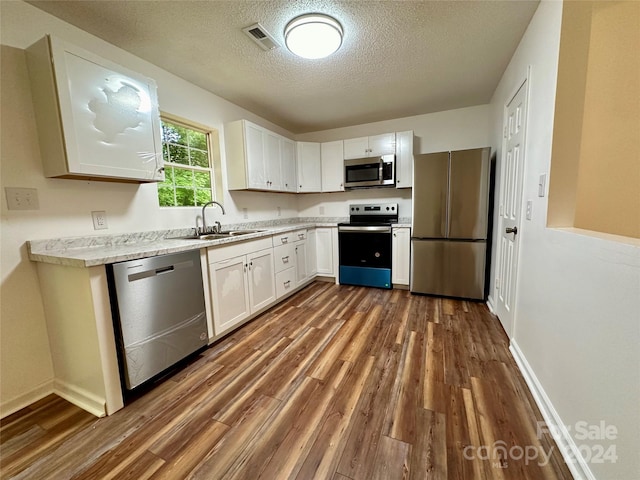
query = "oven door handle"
x=365 y=229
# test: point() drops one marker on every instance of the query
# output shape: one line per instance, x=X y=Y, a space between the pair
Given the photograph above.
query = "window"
x=186 y=150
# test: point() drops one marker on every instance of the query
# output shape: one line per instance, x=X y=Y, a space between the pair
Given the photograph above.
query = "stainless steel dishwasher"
x=159 y=313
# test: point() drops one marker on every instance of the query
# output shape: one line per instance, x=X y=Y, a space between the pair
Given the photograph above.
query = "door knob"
x=513 y=230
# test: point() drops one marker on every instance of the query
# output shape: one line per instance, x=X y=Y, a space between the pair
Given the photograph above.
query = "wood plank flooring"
x=337 y=382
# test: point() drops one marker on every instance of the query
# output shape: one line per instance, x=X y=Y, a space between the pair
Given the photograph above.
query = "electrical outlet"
x=99 y=220
x=529 y=208
x=22 y=198
x=245 y=213
x=279 y=211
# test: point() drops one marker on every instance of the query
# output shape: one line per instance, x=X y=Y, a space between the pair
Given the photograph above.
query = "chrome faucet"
x=217 y=227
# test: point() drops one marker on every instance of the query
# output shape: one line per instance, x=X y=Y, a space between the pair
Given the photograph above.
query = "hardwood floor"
x=335 y=383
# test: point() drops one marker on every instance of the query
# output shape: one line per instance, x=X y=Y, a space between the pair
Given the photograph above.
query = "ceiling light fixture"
x=313 y=35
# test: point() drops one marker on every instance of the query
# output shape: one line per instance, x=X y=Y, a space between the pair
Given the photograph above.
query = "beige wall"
x=595 y=174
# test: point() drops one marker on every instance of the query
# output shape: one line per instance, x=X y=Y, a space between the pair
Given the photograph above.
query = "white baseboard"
x=26 y=399
x=81 y=398
x=491 y=305
x=568 y=448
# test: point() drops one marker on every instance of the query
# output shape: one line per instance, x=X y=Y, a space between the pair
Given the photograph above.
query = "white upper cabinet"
x=331 y=154
x=309 y=176
x=288 y=165
x=404 y=159
x=258 y=159
x=96 y=119
x=272 y=161
x=370 y=146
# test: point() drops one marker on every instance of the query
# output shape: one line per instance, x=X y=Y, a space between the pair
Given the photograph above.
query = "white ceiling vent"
x=259 y=34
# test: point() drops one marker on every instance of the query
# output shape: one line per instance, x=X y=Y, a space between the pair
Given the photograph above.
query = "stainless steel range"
x=365 y=245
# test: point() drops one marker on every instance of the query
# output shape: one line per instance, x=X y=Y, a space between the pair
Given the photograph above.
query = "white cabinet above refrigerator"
x=96 y=119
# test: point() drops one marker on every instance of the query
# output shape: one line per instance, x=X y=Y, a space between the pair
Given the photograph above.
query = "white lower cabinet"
x=242 y=281
x=324 y=251
x=284 y=257
x=401 y=255
x=312 y=263
x=301 y=262
x=285 y=282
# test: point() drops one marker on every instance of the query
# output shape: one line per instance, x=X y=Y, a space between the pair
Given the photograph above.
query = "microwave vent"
x=259 y=34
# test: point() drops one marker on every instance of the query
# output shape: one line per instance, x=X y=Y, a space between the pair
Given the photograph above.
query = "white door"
x=311 y=253
x=384 y=144
x=301 y=262
x=231 y=292
x=272 y=160
x=404 y=159
x=255 y=156
x=288 y=165
x=331 y=154
x=401 y=256
x=510 y=207
x=356 y=147
x=262 y=290
x=309 y=167
x=324 y=251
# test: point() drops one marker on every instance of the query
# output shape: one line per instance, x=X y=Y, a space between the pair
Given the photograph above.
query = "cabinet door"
x=404 y=159
x=254 y=147
x=288 y=165
x=309 y=167
x=356 y=147
x=324 y=251
x=401 y=256
x=331 y=154
x=261 y=279
x=301 y=262
x=95 y=118
x=272 y=161
x=384 y=144
x=312 y=266
x=230 y=292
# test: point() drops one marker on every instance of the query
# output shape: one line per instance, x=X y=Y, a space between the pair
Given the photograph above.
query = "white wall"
x=66 y=205
x=577 y=316
x=434 y=132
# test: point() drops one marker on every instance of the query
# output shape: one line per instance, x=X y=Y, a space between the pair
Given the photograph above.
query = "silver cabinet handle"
x=513 y=230
x=285 y=259
x=284 y=239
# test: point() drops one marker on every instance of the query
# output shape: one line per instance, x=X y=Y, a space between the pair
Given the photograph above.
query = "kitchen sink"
x=217 y=236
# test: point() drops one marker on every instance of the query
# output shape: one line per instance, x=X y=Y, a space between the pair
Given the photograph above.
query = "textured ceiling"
x=398 y=58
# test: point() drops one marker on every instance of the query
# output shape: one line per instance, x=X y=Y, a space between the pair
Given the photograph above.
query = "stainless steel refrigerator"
x=449 y=231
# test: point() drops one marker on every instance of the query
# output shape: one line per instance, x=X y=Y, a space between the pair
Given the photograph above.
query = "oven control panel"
x=374 y=213
x=374 y=209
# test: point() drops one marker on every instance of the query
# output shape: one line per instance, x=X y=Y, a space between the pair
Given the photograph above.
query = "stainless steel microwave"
x=370 y=172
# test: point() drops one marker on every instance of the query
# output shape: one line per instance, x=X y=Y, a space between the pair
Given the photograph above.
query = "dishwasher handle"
x=132 y=277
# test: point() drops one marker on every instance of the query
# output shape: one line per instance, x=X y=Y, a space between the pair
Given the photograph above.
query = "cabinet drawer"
x=223 y=252
x=285 y=281
x=290 y=237
x=284 y=256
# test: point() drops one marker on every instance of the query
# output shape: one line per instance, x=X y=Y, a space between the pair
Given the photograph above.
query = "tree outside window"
x=186 y=153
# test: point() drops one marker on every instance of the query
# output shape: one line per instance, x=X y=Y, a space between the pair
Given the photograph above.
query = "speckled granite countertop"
x=95 y=250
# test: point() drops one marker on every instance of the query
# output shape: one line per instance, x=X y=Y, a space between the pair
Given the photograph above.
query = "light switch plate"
x=22 y=198
x=542 y=183
x=529 y=208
